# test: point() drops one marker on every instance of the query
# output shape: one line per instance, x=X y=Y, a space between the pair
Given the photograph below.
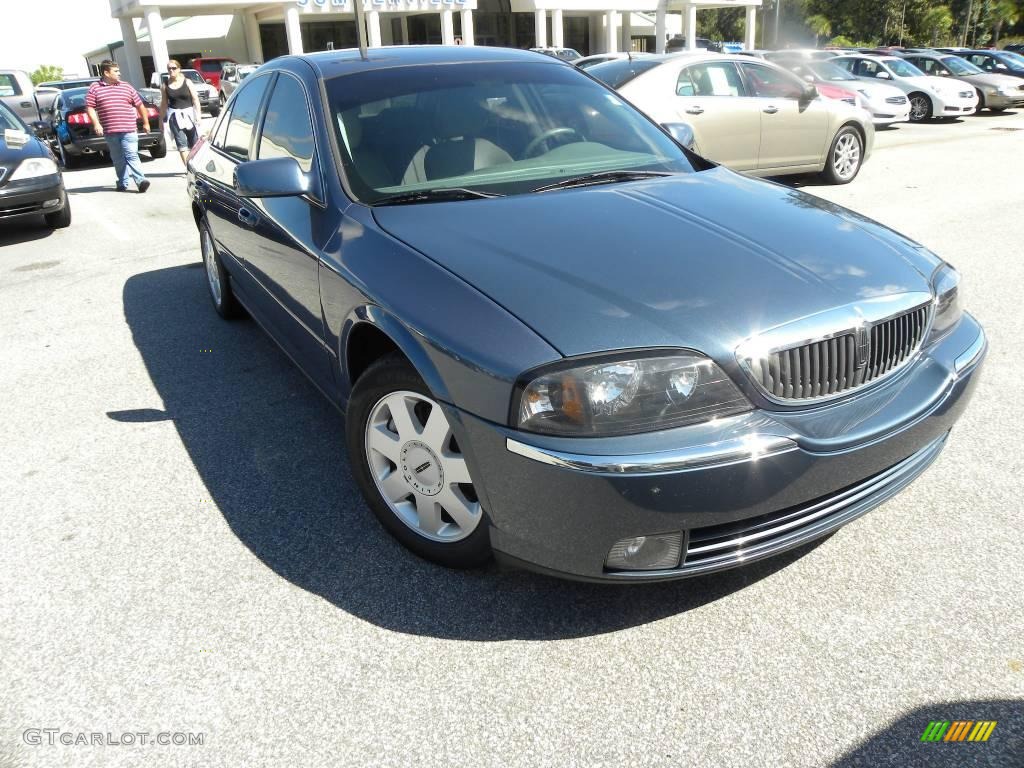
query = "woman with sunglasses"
x=179 y=103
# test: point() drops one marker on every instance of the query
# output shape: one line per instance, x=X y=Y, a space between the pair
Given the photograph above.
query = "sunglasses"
x=171 y=69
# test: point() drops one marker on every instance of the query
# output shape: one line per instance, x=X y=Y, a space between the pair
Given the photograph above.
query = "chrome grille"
x=896 y=100
x=842 y=362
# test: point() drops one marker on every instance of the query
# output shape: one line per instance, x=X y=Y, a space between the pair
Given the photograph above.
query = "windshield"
x=244 y=72
x=492 y=128
x=9 y=121
x=1013 y=59
x=194 y=76
x=826 y=70
x=959 y=66
x=618 y=72
x=903 y=68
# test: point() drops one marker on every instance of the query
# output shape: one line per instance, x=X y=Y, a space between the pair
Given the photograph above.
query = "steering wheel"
x=548 y=134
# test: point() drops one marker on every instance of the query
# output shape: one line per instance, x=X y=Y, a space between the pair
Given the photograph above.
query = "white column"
x=131 y=53
x=157 y=41
x=252 y=37
x=748 y=33
x=627 y=31
x=292 y=29
x=467 y=28
x=557 y=28
x=373 y=29
x=405 y=30
x=659 y=27
x=540 y=24
x=447 y=27
x=690 y=26
x=611 y=19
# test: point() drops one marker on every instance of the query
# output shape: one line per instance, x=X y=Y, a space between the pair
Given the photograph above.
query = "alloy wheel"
x=846 y=156
x=210 y=260
x=418 y=468
x=919 y=108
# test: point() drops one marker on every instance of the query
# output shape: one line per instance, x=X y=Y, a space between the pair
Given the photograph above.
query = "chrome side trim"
x=971 y=355
x=748 y=448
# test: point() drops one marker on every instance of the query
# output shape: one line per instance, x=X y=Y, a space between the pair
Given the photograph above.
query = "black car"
x=30 y=180
x=72 y=135
x=1017 y=48
x=996 y=62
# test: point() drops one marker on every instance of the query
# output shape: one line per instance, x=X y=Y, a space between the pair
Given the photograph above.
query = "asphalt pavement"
x=183 y=551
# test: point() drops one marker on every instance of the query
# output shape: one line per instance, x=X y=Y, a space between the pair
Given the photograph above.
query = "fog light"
x=646 y=553
x=51 y=203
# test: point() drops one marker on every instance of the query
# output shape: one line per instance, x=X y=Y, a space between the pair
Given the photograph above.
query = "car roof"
x=348 y=61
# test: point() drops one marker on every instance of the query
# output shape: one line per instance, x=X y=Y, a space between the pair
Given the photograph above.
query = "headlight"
x=946 y=289
x=617 y=397
x=33 y=168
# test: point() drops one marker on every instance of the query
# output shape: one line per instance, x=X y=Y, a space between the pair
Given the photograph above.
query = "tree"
x=820 y=26
x=1005 y=12
x=46 y=73
x=936 y=25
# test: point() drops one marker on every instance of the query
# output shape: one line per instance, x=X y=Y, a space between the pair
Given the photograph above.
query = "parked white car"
x=747 y=114
x=886 y=103
x=929 y=96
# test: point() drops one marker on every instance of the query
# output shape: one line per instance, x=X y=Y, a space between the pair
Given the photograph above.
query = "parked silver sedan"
x=996 y=92
x=747 y=114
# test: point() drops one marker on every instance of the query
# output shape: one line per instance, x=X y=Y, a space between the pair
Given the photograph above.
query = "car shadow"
x=24 y=231
x=270 y=451
x=988 y=113
x=901 y=743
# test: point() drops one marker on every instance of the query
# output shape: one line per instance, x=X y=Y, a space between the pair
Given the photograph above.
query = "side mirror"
x=883 y=75
x=682 y=133
x=274 y=177
x=40 y=128
x=810 y=93
x=809 y=78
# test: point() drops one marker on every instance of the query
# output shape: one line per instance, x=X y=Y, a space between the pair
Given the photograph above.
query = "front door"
x=710 y=97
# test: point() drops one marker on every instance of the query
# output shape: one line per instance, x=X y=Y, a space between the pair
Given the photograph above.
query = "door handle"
x=695 y=111
x=247 y=217
x=26 y=103
x=770 y=110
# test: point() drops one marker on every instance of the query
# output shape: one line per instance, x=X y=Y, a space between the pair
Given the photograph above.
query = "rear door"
x=710 y=96
x=794 y=132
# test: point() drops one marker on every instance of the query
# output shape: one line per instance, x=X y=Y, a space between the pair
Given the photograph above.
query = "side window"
x=243 y=118
x=925 y=65
x=684 y=85
x=716 y=79
x=287 y=130
x=847 y=64
x=867 y=68
x=768 y=83
x=221 y=131
x=9 y=86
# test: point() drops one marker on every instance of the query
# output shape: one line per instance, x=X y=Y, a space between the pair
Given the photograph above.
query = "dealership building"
x=256 y=31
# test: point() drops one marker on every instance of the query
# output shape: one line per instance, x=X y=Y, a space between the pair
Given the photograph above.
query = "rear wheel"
x=218 y=281
x=159 y=149
x=410 y=468
x=845 y=156
x=215 y=109
x=920 y=107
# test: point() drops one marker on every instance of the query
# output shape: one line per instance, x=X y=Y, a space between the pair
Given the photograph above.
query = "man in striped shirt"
x=113 y=107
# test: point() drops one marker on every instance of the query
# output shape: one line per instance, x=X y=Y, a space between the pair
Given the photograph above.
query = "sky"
x=55 y=32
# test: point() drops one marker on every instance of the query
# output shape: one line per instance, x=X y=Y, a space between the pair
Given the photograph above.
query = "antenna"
x=357 y=7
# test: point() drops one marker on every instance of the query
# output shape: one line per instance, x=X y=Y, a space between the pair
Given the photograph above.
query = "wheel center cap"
x=421 y=468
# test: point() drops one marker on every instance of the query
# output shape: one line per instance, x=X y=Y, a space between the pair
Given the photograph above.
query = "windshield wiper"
x=604 y=177
x=435 y=196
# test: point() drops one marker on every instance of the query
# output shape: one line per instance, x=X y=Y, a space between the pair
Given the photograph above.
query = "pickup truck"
x=18 y=93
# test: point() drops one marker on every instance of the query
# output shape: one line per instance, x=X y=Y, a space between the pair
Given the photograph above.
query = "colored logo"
x=958 y=730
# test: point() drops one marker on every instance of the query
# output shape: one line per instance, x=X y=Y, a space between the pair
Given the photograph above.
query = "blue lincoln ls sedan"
x=559 y=337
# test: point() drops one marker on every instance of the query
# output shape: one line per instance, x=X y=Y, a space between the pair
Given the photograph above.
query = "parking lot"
x=185 y=550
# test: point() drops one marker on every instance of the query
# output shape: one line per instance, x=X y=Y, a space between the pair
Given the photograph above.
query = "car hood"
x=994 y=80
x=700 y=260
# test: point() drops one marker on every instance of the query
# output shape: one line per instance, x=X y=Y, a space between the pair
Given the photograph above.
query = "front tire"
x=845 y=156
x=981 y=103
x=60 y=219
x=920 y=107
x=410 y=469
x=218 y=281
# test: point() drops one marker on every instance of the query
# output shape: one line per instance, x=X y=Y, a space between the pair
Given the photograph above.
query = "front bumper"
x=1001 y=101
x=955 y=105
x=887 y=114
x=32 y=197
x=746 y=488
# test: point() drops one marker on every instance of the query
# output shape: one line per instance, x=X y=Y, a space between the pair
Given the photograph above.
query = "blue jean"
x=124 y=151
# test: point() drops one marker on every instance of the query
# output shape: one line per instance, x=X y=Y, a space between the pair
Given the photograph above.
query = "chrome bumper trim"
x=969 y=357
x=749 y=448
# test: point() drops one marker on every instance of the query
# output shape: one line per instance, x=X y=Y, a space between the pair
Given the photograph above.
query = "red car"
x=210 y=68
x=826 y=88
